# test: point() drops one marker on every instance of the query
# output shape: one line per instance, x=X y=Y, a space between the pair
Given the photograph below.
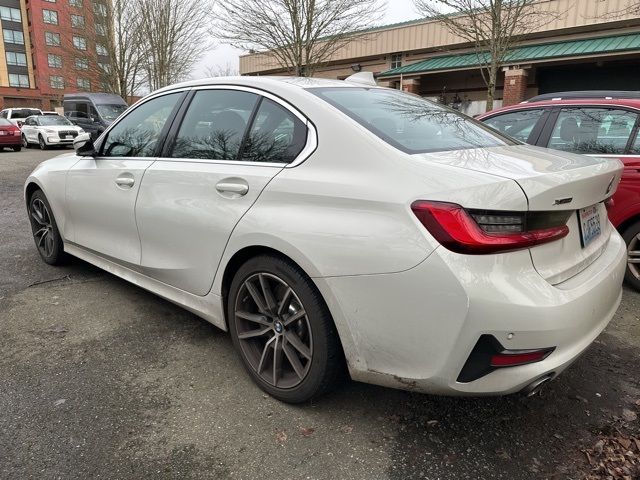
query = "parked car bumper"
x=416 y=329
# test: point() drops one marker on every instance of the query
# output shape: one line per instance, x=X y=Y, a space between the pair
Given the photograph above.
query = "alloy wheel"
x=43 y=231
x=273 y=330
x=633 y=256
x=41 y=142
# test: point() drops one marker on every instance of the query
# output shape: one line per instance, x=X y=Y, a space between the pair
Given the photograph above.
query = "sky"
x=223 y=56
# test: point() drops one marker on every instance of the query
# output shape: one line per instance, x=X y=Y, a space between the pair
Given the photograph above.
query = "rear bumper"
x=10 y=140
x=416 y=329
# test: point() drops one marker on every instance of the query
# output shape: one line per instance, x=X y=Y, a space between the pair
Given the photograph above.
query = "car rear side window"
x=137 y=134
x=592 y=130
x=408 y=122
x=518 y=125
x=214 y=125
x=276 y=135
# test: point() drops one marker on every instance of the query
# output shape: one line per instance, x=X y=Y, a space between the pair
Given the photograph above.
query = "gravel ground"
x=100 y=379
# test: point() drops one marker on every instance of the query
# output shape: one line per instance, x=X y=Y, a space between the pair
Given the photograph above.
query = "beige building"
x=584 y=46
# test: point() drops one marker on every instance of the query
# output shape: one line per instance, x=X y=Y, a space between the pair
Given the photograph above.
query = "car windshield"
x=51 y=121
x=111 y=112
x=408 y=122
x=24 y=112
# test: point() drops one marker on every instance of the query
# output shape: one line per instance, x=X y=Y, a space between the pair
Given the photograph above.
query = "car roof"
x=262 y=82
x=582 y=94
x=594 y=102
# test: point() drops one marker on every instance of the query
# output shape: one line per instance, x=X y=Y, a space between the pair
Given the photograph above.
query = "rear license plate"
x=589 y=221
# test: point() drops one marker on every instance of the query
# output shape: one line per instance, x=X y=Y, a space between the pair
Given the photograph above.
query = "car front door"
x=102 y=190
x=229 y=145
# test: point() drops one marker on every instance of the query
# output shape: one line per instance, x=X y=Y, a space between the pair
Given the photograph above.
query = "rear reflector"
x=481 y=232
x=488 y=355
x=512 y=358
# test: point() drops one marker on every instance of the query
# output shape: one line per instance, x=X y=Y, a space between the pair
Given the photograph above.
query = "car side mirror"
x=83 y=145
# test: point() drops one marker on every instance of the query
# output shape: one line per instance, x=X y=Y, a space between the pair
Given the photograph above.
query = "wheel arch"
x=622 y=228
x=29 y=190
x=244 y=254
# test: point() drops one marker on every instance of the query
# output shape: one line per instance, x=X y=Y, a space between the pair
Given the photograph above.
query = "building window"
x=55 y=61
x=50 y=16
x=396 y=60
x=56 y=81
x=82 y=64
x=13 y=36
x=80 y=42
x=101 y=49
x=100 y=9
x=75 y=3
x=50 y=1
x=10 y=14
x=77 y=21
x=83 y=84
x=52 y=39
x=16 y=58
x=101 y=29
x=16 y=80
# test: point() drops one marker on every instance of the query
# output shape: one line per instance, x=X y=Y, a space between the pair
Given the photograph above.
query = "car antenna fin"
x=362 y=78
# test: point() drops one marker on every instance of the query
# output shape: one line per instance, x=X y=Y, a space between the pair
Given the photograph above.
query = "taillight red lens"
x=454 y=228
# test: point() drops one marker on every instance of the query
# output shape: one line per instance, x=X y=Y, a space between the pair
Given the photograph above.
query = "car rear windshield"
x=5 y=123
x=24 y=112
x=408 y=122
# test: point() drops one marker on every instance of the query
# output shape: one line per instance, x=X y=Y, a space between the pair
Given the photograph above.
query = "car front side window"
x=138 y=134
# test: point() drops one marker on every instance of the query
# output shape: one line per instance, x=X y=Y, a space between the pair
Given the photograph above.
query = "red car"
x=596 y=124
x=9 y=135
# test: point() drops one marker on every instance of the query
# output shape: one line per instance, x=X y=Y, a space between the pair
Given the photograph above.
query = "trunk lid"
x=551 y=180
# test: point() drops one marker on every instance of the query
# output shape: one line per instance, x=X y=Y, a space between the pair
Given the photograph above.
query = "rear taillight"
x=483 y=231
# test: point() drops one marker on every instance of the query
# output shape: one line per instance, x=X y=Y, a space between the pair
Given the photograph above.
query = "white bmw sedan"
x=335 y=226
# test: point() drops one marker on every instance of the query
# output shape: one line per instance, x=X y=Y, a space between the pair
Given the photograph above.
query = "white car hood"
x=550 y=179
x=58 y=128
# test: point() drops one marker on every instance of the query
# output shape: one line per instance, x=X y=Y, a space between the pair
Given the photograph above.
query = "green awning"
x=570 y=48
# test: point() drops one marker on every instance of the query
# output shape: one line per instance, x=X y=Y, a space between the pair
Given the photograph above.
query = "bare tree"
x=126 y=48
x=492 y=26
x=220 y=71
x=176 y=35
x=299 y=35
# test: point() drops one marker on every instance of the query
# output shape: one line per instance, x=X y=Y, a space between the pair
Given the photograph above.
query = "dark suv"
x=601 y=124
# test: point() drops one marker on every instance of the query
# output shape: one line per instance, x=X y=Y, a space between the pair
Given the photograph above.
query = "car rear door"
x=102 y=190
x=230 y=143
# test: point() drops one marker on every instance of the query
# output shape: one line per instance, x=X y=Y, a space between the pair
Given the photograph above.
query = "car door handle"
x=125 y=182
x=235 y=187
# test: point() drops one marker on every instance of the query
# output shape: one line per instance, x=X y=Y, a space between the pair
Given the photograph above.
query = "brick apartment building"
x=51 y=47
x=590 y=44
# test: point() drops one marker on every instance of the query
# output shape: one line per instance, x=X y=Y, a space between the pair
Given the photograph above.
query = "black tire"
x=325 y=367
x=42 y=143
x=17 y=148
x=631 y=237
x=49 y=244
x=25 y=143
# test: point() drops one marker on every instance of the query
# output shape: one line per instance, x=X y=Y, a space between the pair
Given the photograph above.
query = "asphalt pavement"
x=100 y=379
